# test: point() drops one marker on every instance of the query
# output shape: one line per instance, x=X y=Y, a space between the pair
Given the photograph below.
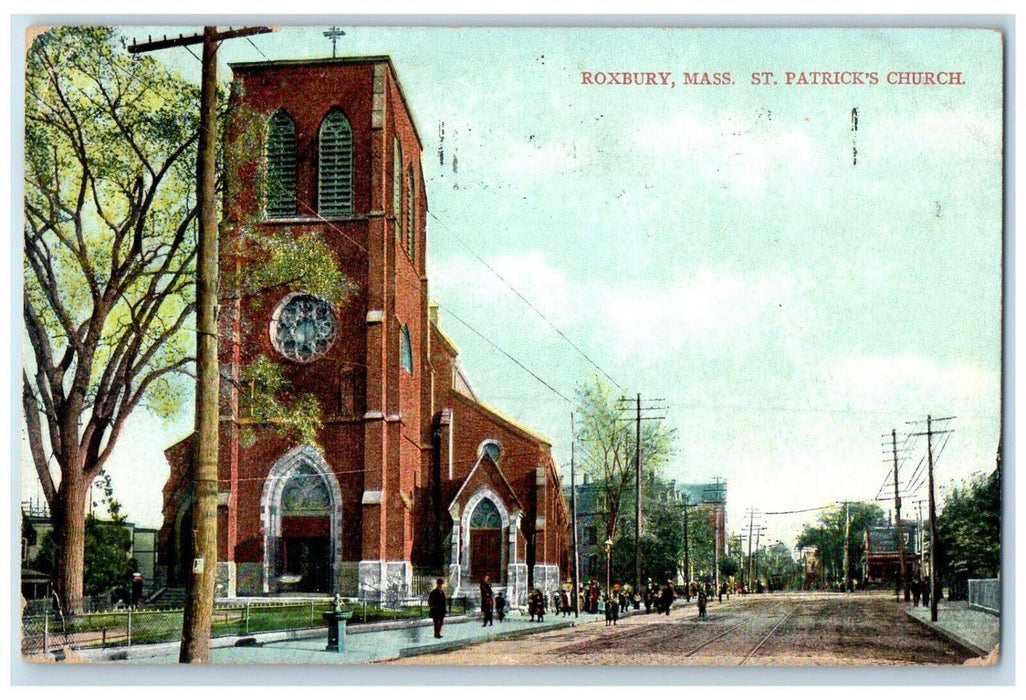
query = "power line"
x=526 y=301
x=520 y=364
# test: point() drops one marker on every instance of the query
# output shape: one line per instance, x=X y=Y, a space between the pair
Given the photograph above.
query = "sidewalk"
x=372 y=643
x=977 y=631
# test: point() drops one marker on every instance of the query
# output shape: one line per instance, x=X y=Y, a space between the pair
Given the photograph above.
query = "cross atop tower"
x=334 y=33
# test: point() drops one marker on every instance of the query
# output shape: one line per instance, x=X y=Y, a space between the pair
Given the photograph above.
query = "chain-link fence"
x=50 y=631
x=985 y=594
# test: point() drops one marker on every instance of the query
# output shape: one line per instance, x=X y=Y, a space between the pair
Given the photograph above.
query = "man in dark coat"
x=487 y=601
x=436 y=607
x=667 y=596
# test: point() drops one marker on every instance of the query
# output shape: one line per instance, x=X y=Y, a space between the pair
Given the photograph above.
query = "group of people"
x=920 y=590
x=615 y=601
x=494 y=605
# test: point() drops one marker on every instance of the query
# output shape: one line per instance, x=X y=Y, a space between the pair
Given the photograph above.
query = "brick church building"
x=411 y=476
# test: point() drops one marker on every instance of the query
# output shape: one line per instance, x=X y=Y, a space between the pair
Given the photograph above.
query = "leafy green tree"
x=777 y=563
x=109 y=261
x=728 y=568
x=608 y=444
x=827 y=535
x=969 y=529
x=109 y=268
x=701 y=544
x=108 y=543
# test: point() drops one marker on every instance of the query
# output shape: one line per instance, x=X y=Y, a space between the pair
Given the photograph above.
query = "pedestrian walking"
x=926 y=591
x=648 y=599
x=137 y=590
x=564 y=600
x=917 y=591
x=702 y=602
x=667 y=595
x=539 y=599
x=557 y=603
x=500 y=606
x=487 y=601
x=436 y=607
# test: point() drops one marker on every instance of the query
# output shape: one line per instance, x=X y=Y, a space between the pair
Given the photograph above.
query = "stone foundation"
x=546 y=578
x=349 y=579
x=225 y=580
x=516 y=584
x=384 y=581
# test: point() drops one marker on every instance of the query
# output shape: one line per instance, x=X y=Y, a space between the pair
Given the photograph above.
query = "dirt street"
x=780 y=629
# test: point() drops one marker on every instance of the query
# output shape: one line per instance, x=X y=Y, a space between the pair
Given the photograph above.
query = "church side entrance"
x=485 y=542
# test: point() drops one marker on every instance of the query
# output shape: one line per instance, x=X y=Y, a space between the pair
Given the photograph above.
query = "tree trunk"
x=68 y=515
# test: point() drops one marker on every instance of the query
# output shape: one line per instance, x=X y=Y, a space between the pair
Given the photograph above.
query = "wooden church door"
x=485 y=542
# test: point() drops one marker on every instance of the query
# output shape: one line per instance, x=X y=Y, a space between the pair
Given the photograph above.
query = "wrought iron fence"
x=985 y=594
x=50 y=631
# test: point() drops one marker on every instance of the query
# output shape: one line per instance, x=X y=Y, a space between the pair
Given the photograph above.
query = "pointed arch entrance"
x=485 y=542
x=301 y=510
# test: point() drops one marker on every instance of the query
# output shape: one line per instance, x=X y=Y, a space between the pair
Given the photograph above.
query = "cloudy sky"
x=792 y=288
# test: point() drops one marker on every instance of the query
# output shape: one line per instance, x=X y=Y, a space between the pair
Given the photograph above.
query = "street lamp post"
x=609 y=549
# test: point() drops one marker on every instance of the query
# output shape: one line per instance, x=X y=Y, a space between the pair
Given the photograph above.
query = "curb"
x=950 y=636
x=460 y=643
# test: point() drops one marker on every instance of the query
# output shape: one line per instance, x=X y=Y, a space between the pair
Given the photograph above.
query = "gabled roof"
x=461 y=383
x=486 y=463
x=505 y=420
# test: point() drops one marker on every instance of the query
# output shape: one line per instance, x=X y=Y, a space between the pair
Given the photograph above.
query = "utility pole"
x=897 y=517
x=199 y=605
x=637 y=481
x=751 y=526
x=758 y=537
x=930 y=432
x=847 y=547
x=922 y=538
x=573 y=515
x=637 y=499
x=687 y=552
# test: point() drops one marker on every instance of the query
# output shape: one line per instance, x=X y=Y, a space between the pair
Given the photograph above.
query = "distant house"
x=883 y=555
x=36 y=524
x=811 y=566
x=711 y=501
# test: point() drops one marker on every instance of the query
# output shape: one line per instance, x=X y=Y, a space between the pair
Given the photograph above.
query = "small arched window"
x=281 y=165
x=490 y=447
x=405 y=350
x=335 y=166
x=486 y=515
x=397 y=189
x=411 y=219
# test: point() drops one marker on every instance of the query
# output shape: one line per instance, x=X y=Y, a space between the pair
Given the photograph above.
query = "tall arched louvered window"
x=397 y=189
x=411 y=219
x=405 y=350
x=281 y=165
x=335 y=166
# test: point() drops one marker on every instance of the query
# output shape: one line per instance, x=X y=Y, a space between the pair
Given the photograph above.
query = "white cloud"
x=742 y=153
x=872 y=382
x=707 y=305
